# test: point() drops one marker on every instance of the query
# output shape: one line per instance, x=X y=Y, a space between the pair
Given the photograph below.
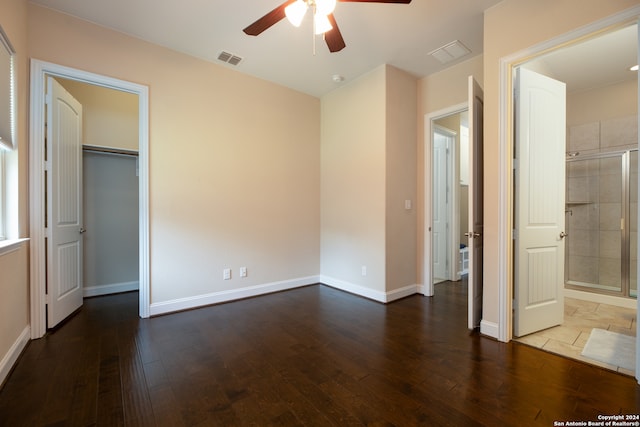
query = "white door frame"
x=39 y=71
x=427 y=274
x=505 y=149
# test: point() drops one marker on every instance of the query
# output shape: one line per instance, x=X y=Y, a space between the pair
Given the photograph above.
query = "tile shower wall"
x=594 y=202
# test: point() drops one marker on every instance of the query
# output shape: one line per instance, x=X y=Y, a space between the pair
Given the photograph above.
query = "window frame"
x=3 y=193
x=5 y=147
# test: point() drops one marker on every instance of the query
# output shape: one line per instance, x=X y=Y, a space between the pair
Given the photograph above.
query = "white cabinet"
x=464 y=261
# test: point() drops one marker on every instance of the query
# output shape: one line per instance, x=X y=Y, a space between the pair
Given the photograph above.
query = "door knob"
x=471 y=234
x=82 y=230
x=563 y=234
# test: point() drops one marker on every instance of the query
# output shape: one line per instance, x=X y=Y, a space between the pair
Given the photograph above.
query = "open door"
x=64 y=203
x=476 y=222
x=540 y=120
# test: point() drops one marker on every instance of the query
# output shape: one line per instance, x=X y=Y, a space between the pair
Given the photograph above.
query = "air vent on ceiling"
x=450 y=51
x=229 y=58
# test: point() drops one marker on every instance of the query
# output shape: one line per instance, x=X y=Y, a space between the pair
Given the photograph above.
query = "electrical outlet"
x=243 y=271
x=364 y=270
x=226 y=274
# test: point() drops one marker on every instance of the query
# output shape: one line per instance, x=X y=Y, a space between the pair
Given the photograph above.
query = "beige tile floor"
x=580 y=317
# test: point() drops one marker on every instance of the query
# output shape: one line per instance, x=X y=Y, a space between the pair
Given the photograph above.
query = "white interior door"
x=476 y=221
x=64 y=203
x=539 y=202
x=440 y=234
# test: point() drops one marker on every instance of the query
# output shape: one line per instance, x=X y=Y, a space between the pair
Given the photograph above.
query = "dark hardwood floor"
x=313 y=356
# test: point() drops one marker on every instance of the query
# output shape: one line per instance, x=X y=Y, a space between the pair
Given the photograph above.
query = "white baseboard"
x=601 y=298
x=422 y=289
x=179 y=304
x=383 y=297
x=353 y=289
x=12 y=355
x=114 y=288
x=489 y=329
x=397 y=294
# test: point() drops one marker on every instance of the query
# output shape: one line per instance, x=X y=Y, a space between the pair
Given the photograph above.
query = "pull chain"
x=313 y=32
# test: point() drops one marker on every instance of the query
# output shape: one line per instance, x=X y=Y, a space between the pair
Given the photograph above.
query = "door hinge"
x=514 y=234
x=514 y=164
x=47 y=299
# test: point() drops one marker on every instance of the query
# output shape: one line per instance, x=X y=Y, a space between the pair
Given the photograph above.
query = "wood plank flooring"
x=313 y=356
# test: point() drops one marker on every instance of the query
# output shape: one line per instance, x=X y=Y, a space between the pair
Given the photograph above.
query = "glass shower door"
x=601 y=222
x=594 y=211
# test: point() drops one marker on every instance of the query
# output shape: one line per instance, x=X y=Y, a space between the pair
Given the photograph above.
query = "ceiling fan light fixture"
x=295 y=12
x=325 y=7
x=321 y=24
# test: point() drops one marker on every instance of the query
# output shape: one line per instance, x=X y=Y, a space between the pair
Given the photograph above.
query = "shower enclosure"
x=601 y=222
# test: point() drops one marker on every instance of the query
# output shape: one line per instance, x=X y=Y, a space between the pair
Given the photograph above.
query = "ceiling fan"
x=323 y=20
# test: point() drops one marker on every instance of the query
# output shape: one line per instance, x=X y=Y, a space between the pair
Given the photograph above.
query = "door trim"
x=505 y=150
x=427 y=270
x=39 y=71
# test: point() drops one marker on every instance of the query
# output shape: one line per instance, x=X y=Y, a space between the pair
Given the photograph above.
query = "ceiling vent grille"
x=229 y=58
x=450 y=52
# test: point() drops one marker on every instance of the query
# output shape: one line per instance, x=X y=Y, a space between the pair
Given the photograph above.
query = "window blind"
x=6 y=92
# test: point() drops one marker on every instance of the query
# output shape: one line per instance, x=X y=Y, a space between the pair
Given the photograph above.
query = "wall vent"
x=450 y=51
x=229 y=58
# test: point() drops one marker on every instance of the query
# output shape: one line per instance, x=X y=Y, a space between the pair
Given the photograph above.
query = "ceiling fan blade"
x=377 y=1
x=333 y=37
x=271 y=18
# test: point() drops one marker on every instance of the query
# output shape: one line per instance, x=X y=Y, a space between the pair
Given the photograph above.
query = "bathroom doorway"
x=601 y=216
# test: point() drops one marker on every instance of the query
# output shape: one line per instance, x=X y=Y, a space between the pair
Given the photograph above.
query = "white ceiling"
x=375 y=33
x=595 y=62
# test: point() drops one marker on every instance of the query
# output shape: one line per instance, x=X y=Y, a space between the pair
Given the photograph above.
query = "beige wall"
x=234 y=161
x=609 y=102
x=510 y=27
x=401 y=107
x=14 y=265
x=353 y=182
x=368 y=171
x=110 y=117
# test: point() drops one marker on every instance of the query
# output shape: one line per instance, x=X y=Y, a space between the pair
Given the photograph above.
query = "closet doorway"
x=41 y=73
x=109 y=188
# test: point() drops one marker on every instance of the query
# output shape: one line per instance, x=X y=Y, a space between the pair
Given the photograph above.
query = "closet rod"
x=107 y=150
